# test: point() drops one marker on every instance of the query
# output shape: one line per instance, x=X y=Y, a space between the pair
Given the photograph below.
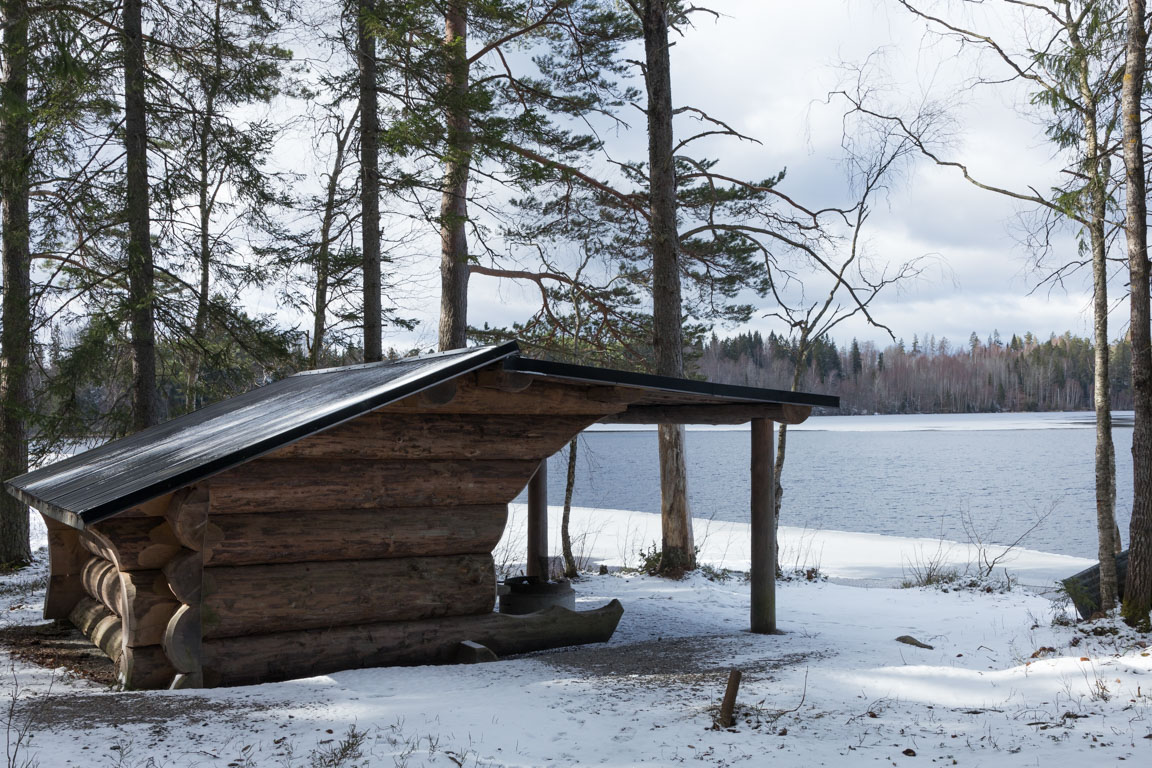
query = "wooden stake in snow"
x=729 y=702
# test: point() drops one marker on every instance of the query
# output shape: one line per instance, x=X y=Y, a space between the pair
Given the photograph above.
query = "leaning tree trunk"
x=141 y=298
x=324 y=247
x=570 y=570
x=454 y=200
x=1138 y=587
x=1098 y=173
x=369 y=183
x=16 y=333
x=667 y=327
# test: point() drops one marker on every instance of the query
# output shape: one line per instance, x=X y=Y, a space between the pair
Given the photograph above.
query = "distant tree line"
x=930 y=375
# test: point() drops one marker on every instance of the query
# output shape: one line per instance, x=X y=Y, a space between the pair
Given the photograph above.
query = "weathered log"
x=439 y=394
x=256 y=599
x=182 y=640
x=66 y=559
x=148 y=605
x=384 y=436
x=151 y=508
x=140 y=598
x=185 y=576
x=183 y=635
x=187 y=515
x=87 y=614
x=301 y=485
x=505 y=381
x=359 y=534
x=102 y=582
x=469 y=652
x=285 y=655
x=542 y=397
x=133 y=543
x=145 y=668
x=100 y=626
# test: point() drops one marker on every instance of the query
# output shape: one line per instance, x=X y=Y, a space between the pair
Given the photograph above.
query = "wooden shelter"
x=346 y=517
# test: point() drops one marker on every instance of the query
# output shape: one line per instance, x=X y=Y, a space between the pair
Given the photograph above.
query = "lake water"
x=916 y=475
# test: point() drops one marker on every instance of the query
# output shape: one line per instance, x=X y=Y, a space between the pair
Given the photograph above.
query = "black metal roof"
x=123 y=473
x=99 y=483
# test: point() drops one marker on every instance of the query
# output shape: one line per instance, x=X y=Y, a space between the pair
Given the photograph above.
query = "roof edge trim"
x=522 y=364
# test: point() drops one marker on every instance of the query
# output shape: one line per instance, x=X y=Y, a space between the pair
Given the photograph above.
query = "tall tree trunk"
x=199 y=330
x=570 y=570
x=1107 y=533
x=1138 y=587
x=1098 y=172
x=454 y=202
x=667 y=326
x=369 y=182
x=16 y=334
x=141 y=297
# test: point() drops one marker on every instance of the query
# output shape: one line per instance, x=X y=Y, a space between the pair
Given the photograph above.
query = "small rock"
x=909 y=752
x=909 y=640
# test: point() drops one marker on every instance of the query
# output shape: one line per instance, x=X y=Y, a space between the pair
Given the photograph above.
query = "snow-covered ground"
x=1007 y=681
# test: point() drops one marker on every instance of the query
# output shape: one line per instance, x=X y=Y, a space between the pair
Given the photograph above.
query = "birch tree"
x=1070 y=70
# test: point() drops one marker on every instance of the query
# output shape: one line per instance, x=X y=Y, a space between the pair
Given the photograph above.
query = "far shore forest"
x=929 y=375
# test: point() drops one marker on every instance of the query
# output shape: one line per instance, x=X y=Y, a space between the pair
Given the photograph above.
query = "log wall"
x=380 y=524
x=125 y=613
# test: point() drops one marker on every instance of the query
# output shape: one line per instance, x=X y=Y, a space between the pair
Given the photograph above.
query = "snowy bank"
x=616 y=537
x=1007 y=680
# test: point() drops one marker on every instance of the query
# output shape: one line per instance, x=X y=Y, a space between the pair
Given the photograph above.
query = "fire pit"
x=528 y=594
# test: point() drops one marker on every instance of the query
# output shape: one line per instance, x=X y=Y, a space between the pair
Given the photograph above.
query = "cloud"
x=766 y=69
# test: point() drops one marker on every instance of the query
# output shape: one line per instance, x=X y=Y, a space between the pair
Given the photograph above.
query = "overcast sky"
x=766 y=67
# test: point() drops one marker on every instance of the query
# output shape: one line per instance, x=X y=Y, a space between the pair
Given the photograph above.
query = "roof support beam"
x=710 y=414
x=763 y=572
x=538 y=523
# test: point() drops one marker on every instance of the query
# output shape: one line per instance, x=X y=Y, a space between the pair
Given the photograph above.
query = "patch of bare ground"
x=674 y=661
x=58 y=644
x=80 y=711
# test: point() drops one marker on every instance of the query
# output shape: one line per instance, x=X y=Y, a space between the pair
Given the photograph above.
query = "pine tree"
x=16 y=331
x=217 y=195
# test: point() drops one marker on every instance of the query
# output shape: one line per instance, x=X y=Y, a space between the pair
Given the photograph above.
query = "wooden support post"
x=763 y=574
x=538 y=523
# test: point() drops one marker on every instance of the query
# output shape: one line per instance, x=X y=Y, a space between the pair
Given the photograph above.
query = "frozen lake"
x=915 y=475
